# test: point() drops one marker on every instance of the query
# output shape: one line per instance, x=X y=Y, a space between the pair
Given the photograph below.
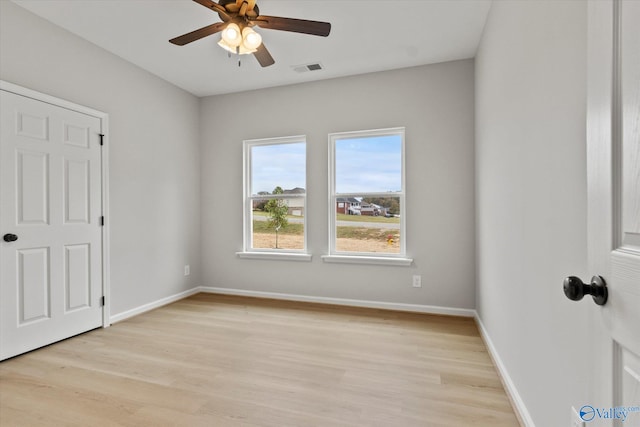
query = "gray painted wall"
x=531 y=199
x=435 y=103
x=154 y=151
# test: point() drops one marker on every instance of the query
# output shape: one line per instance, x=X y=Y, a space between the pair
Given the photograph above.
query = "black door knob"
x=10 y=237
x=575 y=289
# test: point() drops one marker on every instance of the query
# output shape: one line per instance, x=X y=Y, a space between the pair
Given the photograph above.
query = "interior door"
x=613 y=147
x=50 y=209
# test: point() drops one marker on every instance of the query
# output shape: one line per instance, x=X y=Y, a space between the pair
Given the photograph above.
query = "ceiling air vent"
x=307 y=67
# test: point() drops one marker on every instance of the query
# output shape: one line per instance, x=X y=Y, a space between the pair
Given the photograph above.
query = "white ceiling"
x=366 y=36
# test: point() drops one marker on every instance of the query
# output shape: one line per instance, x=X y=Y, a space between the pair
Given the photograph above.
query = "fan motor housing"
x=224 y=4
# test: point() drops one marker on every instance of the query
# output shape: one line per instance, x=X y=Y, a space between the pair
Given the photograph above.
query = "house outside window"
x=275 y=196
x=367 y=190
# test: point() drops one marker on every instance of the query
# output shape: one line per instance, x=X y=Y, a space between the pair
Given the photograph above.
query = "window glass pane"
x=278 y=223
x=275 y=202
x=278 y=165
x=368 y=164
x=368 y=193
x=368 y=224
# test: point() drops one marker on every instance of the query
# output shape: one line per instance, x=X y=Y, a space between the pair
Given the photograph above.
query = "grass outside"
x=366 y=233
x=348 y=238
x=348 y=232
x=343 y=217
x=291 y=228
x=266 y=215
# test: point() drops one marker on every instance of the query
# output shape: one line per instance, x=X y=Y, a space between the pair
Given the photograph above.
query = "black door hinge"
x=102 y=221
x=101 y=138
x=102 y=300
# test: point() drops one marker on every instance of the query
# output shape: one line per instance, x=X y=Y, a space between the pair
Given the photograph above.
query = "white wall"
x=154 y=151
x=435 y=104
x=531 y=199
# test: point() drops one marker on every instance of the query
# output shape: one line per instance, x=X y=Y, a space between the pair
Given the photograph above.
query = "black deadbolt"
x=575 y=289
x=10 y=237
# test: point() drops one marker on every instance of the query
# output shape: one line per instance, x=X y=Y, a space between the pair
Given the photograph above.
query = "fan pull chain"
x=239 y=57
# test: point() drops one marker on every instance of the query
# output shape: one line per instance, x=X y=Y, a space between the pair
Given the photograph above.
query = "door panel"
x=51 y=198
x=627 y=393
x=76 y=191
x=630 y=100
x=34 y=279
x=32 y=188
x=32 y=125
x=77 y=277
x=76 y=135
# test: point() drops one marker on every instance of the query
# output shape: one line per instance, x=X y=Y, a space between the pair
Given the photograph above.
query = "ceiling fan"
x=238 y=19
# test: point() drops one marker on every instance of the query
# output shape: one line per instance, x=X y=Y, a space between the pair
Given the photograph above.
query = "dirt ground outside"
x=289 y=241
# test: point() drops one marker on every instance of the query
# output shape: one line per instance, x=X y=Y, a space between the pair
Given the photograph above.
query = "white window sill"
x=354 y=259
x=276 y=256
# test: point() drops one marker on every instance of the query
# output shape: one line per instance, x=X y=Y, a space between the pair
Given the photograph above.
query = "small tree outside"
x=277 y=209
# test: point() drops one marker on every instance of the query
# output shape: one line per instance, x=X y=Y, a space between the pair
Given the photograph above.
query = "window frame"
x=380 y=258
x=248 y=199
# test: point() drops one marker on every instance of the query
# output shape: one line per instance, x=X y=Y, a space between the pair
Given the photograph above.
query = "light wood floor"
x=212 y=360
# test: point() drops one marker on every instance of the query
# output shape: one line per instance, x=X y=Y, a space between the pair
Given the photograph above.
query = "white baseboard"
x=418 y=308
x=152 y=305
x=512 y=391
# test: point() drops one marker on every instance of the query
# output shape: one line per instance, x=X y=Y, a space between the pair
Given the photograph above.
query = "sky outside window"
x=278 y=165
x=369 y=164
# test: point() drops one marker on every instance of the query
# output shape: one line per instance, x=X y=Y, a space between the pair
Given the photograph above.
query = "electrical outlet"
x=417 y=281
x=187 y=270
x=576 y=421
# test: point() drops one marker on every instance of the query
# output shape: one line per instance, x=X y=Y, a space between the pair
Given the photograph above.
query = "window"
x=367 y=204
x=275 y=197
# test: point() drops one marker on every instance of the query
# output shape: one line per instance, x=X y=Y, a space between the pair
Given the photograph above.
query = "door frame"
x=104 y=173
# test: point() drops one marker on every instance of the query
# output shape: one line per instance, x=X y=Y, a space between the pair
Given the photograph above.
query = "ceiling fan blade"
x=315 y=28
x=210 y=4
x=263 y=56
x=198 y=34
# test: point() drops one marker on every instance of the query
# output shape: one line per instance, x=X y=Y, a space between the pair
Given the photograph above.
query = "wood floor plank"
x=215 y=360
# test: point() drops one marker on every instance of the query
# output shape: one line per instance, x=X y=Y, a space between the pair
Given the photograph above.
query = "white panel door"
x=50 y=200
x=613 y=131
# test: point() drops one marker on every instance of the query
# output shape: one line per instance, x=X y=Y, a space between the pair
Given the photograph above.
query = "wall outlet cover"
x=417 y=281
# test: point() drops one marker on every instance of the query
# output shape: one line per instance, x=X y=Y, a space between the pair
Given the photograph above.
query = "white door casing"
x=52 y=278
x=613 y=156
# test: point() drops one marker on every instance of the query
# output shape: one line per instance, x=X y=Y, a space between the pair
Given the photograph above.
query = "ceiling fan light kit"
x=237 y=34
x=239 y=43
x=231 y=35
x=251 y=39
